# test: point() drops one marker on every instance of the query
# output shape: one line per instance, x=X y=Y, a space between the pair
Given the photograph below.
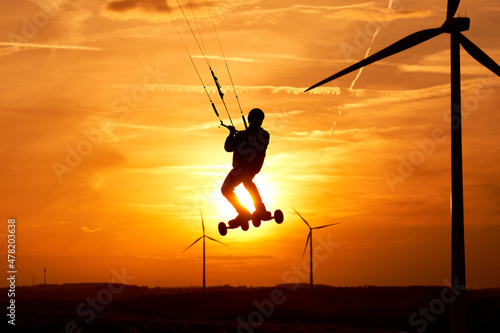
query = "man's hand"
x=232 y=130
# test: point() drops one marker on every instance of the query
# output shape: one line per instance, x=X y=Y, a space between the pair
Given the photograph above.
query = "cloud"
x=160 y=10
x=97 y=181
x=269 y=15
x=307 y=9
x=344 y=136
x=151 y=10
x=442 y=69
x=90 y=229
x=317 y=9
x=377 y=14
x=199 y=56
x=366 y=97
x=239 y=259
x=152 y=206
x=16 y=47
x=8 y=50
x=369 y=98
x=248 y=89
x=367 y=12
x=315 y=134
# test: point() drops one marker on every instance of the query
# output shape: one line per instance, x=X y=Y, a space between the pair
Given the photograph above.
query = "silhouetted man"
x=249 y=150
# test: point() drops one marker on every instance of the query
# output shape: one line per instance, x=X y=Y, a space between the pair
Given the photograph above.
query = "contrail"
x=366 y=55
x=352 y=85
x=46 y=46
x=329 y=135
x=250 y=89
x=368 y=51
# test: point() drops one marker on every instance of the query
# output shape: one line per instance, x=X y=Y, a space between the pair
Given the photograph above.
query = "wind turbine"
x=453 y=26
x=310 y=237
x=204 y=236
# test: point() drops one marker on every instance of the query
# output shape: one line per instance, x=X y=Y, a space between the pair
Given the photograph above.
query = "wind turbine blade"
x=401 y=45
x=192 y=244
x=479 y=55
x=452 y=8
x=307 y=242
x=303 y=219
x=324 y=226
x=202 y=223
x=215 y=240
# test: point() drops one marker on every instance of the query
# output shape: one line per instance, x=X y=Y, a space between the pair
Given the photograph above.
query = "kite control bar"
x=228 y=127
x=221 y=122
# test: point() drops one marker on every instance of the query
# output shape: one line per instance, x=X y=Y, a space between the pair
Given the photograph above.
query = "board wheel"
x=245 y=226
x=278 y=216
x=222 y=229
x=256 y=222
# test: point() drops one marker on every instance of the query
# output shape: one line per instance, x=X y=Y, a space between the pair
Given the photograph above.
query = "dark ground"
x=118 y=308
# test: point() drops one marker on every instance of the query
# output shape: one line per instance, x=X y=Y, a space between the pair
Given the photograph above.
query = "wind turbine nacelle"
x=456 y=24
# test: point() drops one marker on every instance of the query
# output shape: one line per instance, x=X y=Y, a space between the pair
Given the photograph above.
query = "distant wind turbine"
x=204 y=236
x=453 y=26
x=310 y=237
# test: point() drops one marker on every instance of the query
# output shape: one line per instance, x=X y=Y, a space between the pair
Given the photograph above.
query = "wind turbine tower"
x=203 y=237
x=310 y=242
x=453 y=26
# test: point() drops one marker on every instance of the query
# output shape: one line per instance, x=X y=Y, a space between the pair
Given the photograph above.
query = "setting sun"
x=266 y=191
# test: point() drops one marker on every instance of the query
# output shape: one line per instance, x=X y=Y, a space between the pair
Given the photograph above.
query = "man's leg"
x=252 y=189
x=233 y=179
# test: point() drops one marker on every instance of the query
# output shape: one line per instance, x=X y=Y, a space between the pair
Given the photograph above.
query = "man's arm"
x=231 y=141
x=264 y=137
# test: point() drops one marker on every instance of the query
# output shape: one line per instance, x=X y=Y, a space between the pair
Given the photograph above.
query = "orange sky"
x=117 y=74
